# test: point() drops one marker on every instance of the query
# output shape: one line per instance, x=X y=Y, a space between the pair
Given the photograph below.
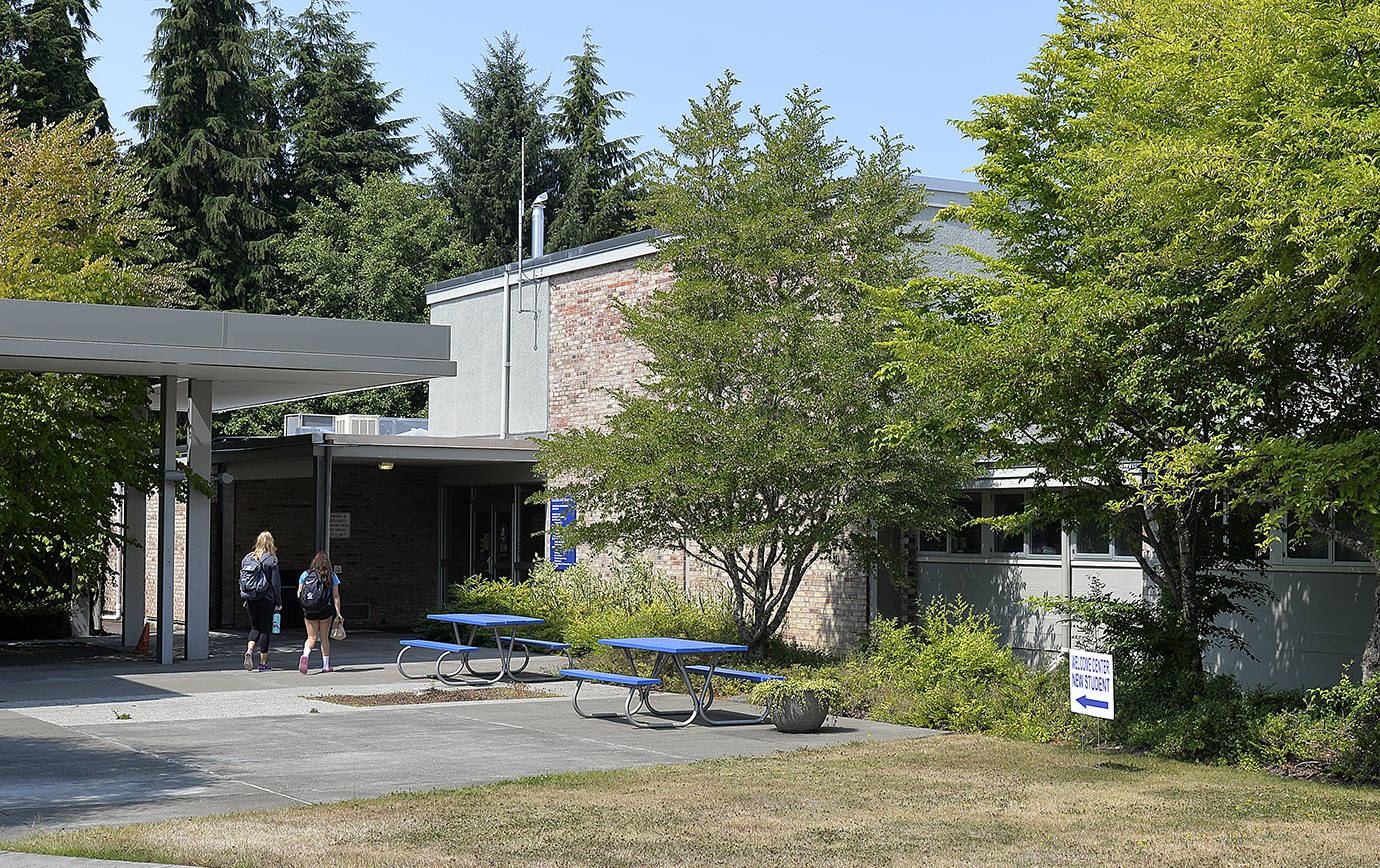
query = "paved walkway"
x=208 y=737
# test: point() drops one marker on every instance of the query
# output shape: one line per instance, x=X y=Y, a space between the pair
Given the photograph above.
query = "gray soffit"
x=251 y=359
x=362 y=449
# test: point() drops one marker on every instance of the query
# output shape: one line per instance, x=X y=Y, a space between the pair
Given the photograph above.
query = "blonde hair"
x=264 y=545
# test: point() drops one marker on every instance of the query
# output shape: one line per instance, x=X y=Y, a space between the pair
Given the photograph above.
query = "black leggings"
x=260 y=623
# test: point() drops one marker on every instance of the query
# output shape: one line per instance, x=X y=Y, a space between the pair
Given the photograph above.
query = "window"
x=1301 y=543
x=1304 y=544
x=1008 y=504
x=1046 y=539
x=968 y=540
x=1093 y=539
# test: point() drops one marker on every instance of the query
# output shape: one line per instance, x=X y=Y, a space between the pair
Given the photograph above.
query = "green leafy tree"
x=369 y=255
x=596 y=185
x=207 y=152
x=51 y=70
x=74 y=226
x=480 y=153
x=1183 y=306
x=750 y=438
x=333 y=110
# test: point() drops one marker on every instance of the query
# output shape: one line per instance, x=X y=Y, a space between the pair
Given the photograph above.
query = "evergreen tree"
x=481 y=154
x=333 y=109
x=206 y=151
x=11 y=31
x=596 y=190
x=52 y=77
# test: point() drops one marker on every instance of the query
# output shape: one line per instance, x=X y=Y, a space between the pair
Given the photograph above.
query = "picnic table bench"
x=637 y=689
x=738 y=674
x=446 y=649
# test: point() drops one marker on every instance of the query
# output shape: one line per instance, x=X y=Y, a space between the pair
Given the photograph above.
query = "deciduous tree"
x=750 y=436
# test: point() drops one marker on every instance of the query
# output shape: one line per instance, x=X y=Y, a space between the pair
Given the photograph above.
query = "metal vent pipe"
x=538 y=225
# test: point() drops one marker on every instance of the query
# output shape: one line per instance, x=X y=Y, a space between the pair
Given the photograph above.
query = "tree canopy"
x=207 y=151
x=595 y=172
x=333 y=111
x=481 y=153
x=73 y=227
x=749 y=437
x=44 y=72
x=1186 y=218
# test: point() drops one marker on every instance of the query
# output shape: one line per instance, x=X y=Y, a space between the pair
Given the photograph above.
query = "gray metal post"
x=132 y=570
x=167 y=518
x=198 y=555
x=321 y=473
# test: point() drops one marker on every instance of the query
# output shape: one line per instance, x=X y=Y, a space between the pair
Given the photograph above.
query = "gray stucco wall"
x=470 y=404
x=947 y=233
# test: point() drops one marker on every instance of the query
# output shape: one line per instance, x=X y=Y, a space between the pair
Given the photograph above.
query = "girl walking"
x=318 y=590
x=259 y=588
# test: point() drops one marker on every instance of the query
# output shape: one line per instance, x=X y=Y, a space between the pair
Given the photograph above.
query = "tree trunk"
x=1370 y=656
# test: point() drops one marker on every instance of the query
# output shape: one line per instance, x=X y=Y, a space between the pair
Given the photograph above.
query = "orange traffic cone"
x=143 y=646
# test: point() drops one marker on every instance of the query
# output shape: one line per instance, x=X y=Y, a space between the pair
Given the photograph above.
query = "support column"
x=321 y=476
x=167 y=518
x=132 y=570
x=198 y=554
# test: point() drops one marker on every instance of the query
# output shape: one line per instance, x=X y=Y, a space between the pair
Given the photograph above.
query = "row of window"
x=1093 y=539
x=1087 y=539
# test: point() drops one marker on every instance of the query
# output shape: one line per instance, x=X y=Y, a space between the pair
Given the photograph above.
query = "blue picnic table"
x=507 y=644
x=671 y=655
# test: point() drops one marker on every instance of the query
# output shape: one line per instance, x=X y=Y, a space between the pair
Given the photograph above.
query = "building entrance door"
x=492 y=532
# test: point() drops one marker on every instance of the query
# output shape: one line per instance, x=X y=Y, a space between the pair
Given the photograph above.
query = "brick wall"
x=589 y=354
x=391 y=558
x=389 y=561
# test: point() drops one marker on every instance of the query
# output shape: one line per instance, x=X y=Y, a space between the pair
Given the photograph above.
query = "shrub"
x=582 y=606
x=950 y=671
x=1335 y=733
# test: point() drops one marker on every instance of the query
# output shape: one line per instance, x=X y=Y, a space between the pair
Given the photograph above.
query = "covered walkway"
x=200 y=362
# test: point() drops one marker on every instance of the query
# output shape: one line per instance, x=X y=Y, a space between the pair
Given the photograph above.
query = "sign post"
x=561 y=513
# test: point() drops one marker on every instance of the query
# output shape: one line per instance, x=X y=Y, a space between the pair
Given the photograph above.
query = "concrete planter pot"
x=800 y=712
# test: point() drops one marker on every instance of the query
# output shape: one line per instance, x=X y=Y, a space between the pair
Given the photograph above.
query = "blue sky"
x=907 y=66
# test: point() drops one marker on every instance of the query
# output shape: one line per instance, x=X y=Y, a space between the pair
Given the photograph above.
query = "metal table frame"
x=476 y=622
x=674 y=651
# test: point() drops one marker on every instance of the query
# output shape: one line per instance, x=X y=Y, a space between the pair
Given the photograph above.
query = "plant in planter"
x=798 y=704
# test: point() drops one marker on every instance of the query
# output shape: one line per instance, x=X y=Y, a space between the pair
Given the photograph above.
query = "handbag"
x=338 y=628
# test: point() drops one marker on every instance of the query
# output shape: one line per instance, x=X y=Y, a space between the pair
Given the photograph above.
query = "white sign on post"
x=1090 y=684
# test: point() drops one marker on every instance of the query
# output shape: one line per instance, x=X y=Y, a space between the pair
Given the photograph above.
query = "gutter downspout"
x=1066 y=565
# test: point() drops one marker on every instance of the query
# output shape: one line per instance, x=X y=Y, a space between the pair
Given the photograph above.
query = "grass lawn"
x=947 y=800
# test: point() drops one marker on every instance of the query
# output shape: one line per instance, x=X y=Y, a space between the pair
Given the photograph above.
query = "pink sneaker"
x=327 y=668
x=302 y=665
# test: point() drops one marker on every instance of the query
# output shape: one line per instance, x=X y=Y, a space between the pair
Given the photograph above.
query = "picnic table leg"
x=502 y=661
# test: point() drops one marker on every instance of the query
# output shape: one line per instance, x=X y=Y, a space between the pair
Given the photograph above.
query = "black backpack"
x=253 y=578
x=314 y=593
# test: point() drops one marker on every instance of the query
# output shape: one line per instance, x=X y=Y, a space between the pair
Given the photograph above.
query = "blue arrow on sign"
x=1095 y=703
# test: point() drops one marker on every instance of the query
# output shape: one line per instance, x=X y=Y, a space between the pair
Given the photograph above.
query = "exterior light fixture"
x=385 y=465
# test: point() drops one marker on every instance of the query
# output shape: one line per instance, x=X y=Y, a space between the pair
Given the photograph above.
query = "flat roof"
x=250 y=359
x=623 y=247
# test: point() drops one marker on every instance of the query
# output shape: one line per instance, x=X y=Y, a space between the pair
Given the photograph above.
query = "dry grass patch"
x=944 y=801
x=433 y=694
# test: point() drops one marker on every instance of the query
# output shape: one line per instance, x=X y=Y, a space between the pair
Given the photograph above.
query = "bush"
x=1336 y=733
x=582 y=606
x=949 y=671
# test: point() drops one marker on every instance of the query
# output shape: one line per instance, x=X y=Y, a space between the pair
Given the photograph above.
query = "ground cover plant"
x=948 y=800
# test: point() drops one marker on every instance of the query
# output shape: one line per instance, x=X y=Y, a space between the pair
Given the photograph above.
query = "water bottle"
x=277 y=622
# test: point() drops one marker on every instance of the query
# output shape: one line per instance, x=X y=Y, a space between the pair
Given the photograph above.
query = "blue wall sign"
x=562 y=515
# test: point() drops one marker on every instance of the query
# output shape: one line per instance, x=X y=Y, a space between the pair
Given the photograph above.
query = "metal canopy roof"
x=251 y=359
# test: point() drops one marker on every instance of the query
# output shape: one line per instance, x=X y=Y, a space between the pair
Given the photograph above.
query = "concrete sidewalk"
x=210 y=738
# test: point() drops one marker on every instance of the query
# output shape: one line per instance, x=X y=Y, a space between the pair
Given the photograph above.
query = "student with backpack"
x=318 y=590
x=259 y=588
